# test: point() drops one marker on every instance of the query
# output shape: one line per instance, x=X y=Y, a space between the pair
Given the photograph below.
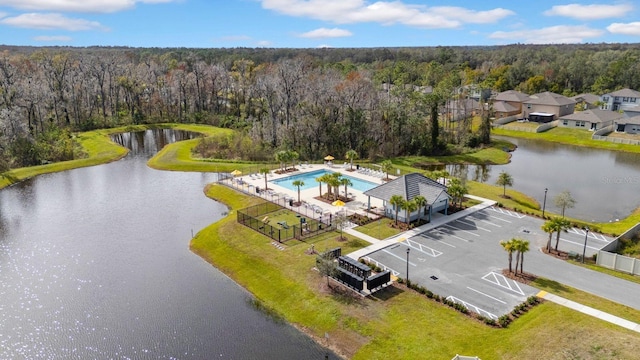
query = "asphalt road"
x=463 y=259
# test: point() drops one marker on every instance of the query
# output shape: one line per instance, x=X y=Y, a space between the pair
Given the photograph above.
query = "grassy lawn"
x=569 y=136
x=396 y=323
x=587 y=299
x=379 y=229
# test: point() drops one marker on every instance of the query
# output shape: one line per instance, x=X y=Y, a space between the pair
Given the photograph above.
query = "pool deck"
x=276 y=192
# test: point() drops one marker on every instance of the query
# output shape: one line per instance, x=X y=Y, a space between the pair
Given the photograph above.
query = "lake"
x=95 y=264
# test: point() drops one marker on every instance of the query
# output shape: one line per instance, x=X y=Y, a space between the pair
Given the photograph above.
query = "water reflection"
x=95 y=264
x=602 y=182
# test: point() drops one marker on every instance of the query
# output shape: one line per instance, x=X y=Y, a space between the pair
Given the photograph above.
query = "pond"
x=603 y=183
x=95 y=264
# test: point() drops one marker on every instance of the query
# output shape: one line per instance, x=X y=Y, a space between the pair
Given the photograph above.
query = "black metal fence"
x=256 y=218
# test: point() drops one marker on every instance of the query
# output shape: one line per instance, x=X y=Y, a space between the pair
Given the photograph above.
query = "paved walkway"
x=589 y=311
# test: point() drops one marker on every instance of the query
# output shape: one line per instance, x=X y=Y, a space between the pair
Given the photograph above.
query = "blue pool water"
x=309 y=180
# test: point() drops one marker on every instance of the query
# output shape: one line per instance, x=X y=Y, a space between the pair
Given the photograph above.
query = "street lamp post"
x=584 y=250
x=408 y=250
x=544 y=203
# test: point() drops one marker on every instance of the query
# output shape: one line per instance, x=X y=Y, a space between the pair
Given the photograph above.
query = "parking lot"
x=463 y=259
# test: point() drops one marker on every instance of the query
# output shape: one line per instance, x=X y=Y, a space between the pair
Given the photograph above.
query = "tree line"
x=381 y=102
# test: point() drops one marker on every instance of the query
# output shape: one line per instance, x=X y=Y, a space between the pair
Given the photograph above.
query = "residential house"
x=593 y=119
x=409 y=186
x=514 y=98
x=630 y=125
x=586 y=101
x=621 y=100
x=547 y=106
x=502 y=109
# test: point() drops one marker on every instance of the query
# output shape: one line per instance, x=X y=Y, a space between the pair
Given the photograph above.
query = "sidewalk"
x=589 y=311
x=435 y=222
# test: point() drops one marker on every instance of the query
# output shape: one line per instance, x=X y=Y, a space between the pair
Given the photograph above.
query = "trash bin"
x=257 y=189
x=290 y=202
x=357 y=166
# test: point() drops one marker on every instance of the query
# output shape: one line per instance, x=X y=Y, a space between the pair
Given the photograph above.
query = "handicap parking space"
x=463 y=259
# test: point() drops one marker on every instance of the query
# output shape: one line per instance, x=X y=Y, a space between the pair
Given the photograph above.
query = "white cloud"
x=561 y=34
x=632 y=28
x=589 y=12
x=264 y=43
x=384 y=12
x=326 y=33
x=59 y=38
x=91 y=6
x=50 y=22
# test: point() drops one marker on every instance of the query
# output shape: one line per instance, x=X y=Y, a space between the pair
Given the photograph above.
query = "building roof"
x=593 y=116
x=626 y=93
x=505 y=107
x=588 y=98
x=629 y=120
x=512 y=96
x=409 y=186
x=550 y=98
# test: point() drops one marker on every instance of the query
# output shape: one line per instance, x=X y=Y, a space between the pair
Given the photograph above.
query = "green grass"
x=587 y=299
x=397 y=323
x=379 y=229
x=569 y=136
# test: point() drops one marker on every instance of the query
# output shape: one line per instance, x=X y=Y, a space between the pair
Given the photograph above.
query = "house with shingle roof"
x=503 y=109
x=593 y=119
x=547 y=106
x=409 y=186
x=630 y=125
x=511 y=97
x=621 y=100
x=586 y=101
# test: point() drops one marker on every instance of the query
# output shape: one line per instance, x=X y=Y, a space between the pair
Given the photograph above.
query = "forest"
x=380 y=102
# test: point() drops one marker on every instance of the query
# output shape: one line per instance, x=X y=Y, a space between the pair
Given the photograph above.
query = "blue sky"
x=314 y=23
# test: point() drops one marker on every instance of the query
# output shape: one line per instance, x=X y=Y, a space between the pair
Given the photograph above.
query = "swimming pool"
x=309 y=180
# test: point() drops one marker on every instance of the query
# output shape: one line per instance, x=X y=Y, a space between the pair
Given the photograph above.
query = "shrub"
x=504 y=320
x=400 y=281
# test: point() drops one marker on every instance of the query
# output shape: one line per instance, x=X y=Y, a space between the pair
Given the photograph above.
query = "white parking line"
x=507 y=212
x=592 y=235
x=381 y=265
x=485 y=221
x=416 y=245
x=489 y=296
x=579 y=243
x=434 y=239
x=457 y=228
x=503 y=282
x=470 y=223
x=399 y=257
x=450 y=235
x=472 y=307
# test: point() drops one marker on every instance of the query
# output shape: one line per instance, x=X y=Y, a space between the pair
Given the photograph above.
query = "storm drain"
x=433 y=277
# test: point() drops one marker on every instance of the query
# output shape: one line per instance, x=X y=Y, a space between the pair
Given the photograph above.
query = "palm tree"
x=320 y=180
x=333 y=181
x=523 y=247
x=346 y=182
x=298 y=184
x=508 y=247
x=350 y=155
x=504 y=180
x=293 y=156
x=457 y=190
x=281 y=158
x=550 y=228
x=562 y=224
x=409 y=206
x=421 y=201
x=516 y=248
x=564 y=200
x=264 y=171
x=387 y=166
x=396 y=201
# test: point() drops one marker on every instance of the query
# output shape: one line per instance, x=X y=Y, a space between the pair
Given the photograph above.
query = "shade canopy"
x=329 y=158
x=338 y=203
x=236 y=172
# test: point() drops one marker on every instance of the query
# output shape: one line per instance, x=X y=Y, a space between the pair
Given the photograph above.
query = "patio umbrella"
x=338 y=203
x=236 y=172
x=329 y=158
